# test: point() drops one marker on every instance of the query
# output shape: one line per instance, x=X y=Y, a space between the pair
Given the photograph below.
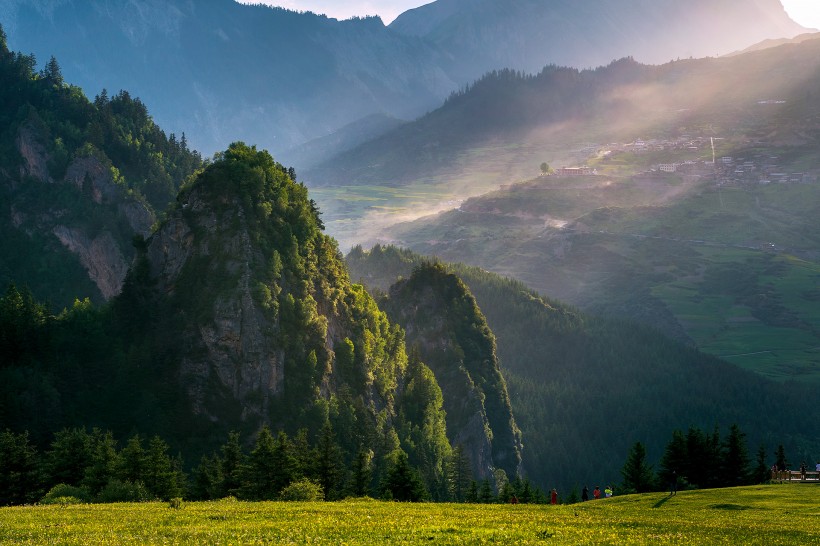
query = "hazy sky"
x=805 y=12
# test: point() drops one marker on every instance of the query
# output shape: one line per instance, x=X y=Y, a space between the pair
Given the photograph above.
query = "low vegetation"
x=764 y=515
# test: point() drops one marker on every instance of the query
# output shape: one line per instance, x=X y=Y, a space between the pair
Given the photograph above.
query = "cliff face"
x=86 y=212
x=232 y=340
x=442 y=320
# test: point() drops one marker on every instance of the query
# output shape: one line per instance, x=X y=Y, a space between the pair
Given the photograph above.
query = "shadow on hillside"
x=662 y=501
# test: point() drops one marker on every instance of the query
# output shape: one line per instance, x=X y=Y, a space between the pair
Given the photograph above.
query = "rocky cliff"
x=442 y=320
x=85 y=211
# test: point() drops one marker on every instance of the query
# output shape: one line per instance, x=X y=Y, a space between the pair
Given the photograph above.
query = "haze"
x=805 y=12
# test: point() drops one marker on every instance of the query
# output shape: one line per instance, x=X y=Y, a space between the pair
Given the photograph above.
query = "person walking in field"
x=597 y=493
x=608 y=491
x=554 y=497
x=673 y=484
x=585 y=494
x=803 y=471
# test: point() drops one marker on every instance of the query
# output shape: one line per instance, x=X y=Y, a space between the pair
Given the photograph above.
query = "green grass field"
x=765 y=515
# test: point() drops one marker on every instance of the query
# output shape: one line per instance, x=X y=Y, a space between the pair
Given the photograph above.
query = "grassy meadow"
x=765 y=515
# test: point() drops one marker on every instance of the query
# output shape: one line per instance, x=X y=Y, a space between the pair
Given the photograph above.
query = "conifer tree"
x=102 y=465
x=19 y=476
x=674 y=459
x=735 y=458
x=131 y=462
x=231 y=461
x=328 y=462
x=637 y=474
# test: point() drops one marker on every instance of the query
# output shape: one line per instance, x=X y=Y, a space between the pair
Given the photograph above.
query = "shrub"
x=66 y=494
x=302 y=490
x=119 y=491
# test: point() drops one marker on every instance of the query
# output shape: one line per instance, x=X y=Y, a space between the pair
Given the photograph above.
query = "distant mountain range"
x=221 y=71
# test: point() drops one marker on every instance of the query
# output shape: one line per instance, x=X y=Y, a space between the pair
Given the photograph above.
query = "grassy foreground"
x=778 y=514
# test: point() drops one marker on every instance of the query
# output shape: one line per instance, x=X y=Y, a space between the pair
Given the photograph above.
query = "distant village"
x=757 y=168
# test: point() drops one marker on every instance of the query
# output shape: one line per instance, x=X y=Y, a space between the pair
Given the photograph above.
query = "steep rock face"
x=101 y=257
x=33 y=153
x=442 y=320
x=102 y=247
x=234 y=345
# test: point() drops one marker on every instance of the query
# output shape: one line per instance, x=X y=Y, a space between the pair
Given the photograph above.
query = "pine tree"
x=460 y=474
x=485 y=492
x=637 y=474
x=131 y=461
x=735 y=458
x=19 y=476
x=762 y=472
x=102 y=467
x=328 y=462
x=69 y=456
x=674 y=459
x=260 y=468
x=402 y=481
x=780 y=458
x=230 y=465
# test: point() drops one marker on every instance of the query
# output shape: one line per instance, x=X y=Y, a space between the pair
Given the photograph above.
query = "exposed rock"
x=34 y=154
x=90 y=175
x=101 y=257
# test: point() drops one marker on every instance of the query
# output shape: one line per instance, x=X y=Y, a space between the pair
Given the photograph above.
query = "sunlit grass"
x=778 y=514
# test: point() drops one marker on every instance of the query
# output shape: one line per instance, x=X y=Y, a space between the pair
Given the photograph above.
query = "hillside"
x=584 y=389
x=502 y=128
x=77 y=180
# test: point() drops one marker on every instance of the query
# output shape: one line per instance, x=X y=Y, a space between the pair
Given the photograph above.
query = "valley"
x=464 y=271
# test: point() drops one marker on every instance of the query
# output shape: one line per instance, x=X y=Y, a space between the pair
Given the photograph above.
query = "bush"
x=119 y=491
x=302 y=490
x=66 y=494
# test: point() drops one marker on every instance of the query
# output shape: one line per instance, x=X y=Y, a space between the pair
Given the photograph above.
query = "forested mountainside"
x=222 y=71
x=584 y=389
x=238 y=314
x=443 y=323
x=77 y=180
x=525 y=35
x=507 y=123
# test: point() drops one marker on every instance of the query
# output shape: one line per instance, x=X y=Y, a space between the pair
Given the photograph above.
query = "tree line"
x=700 y=460
x=81 y=466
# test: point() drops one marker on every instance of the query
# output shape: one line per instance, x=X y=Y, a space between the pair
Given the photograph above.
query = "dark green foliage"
x=19 y=475
x=761 y=472
x=402 y=482
x=780 y=458
x=443 y=321
x=735 y=455
x=638 y=476
x=328 y=463
x=459 y=473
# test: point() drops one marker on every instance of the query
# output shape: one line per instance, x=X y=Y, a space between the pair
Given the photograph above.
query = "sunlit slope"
x=731 y=269
x=750 y=516
x=504 y=126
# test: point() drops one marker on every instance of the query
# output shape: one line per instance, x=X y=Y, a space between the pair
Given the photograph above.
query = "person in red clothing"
x=597 y=493
x=554 y=497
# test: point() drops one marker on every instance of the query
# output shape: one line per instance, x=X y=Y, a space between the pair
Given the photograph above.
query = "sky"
x=805 y=12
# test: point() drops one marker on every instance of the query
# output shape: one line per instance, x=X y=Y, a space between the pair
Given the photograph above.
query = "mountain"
x=220 y=71
x=584 y=389
x=78 y=180
x=443 y=322
x=484 y=35
x=238 y=314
